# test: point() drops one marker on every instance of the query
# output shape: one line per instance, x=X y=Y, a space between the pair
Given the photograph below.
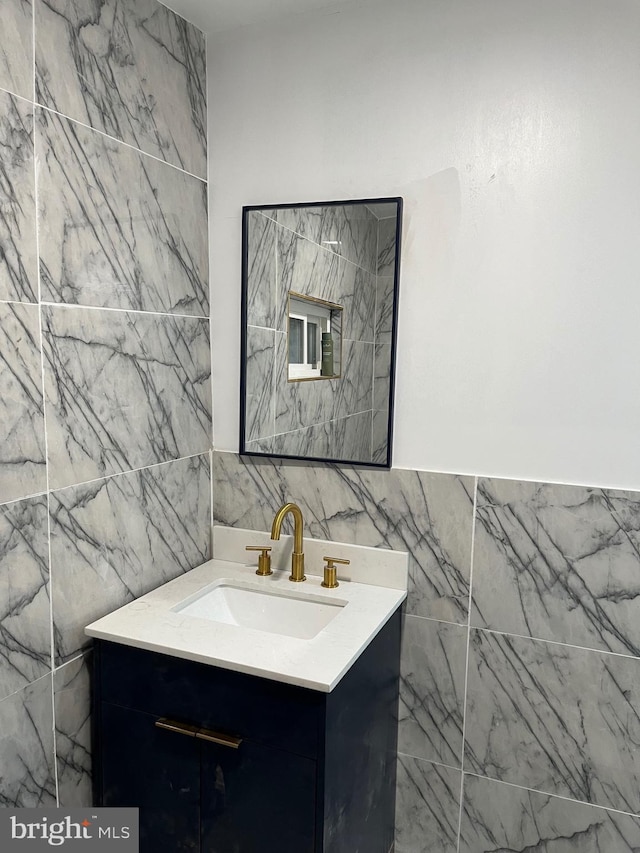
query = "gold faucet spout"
x=297 y=558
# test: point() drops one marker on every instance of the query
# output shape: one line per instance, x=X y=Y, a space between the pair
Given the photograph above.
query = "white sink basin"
x=276 y=612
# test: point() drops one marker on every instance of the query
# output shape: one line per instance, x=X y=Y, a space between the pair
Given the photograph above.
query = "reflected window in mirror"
x=315 y=338
x=319 y=318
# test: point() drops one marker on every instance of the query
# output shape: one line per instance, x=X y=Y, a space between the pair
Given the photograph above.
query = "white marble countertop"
x=318 y=663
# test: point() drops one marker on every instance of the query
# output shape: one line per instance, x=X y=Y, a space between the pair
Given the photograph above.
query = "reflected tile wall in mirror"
x=345 y=254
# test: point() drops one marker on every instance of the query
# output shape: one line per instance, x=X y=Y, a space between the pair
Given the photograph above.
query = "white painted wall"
x=512 y=130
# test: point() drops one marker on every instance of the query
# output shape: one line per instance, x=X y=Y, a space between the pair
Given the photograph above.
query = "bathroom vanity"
x=231 y=739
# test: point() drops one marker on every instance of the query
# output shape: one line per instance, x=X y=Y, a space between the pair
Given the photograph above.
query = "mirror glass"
x=319 y=316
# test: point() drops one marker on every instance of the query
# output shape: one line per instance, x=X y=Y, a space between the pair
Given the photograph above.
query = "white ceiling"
x=213 y=16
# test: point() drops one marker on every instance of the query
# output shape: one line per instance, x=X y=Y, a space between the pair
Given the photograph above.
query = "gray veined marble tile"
x=428 y=515
x=115 y=539
x=427 y=807
x=25 y=620
x=130 y=68
x=18 y=263
x=27 y=778
x=22 y=462
x=123 y=391
x=554 y=718
x=16 y=47
x=71 y=685
x=432 y=675
x=499 y=817
x=261 y=270
x=559 y=562
x=117 y=228
x=260 y=406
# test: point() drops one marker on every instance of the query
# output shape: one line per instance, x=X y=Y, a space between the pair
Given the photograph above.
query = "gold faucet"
x=297 y=558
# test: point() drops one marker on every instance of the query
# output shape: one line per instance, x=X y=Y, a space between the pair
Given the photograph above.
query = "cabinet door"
x=157 y=771
x=257 y=800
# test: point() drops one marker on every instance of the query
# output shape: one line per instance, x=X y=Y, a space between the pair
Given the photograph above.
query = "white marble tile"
x=554 y=718
x=501 y=817
x=427 y=807
x=18 y=263
x=115 y=539
x=428 y=515
x=559 y=562
x=72 y=686
x=22 y=455
x=16 y=47
x=130 y=68
x=25 y=622
x=27 y=778
x=123 y=391
x=117 y=228
x=432 y=675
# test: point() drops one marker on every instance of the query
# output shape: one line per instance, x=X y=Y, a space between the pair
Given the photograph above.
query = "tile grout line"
x=44 y=412
x=78 y=306
x=466 y=666
x=44 y=492
x=27 y=685
x=591 y=649
x=556 y=796
x=130 y=471
x=115 y=139
x=430 y=761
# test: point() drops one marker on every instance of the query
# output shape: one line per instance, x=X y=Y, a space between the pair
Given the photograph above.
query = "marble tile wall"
x=343 y=255
x=105 y=400
x=519 y=710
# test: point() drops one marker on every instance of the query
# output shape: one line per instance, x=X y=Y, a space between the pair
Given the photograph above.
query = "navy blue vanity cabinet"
x=312 y=773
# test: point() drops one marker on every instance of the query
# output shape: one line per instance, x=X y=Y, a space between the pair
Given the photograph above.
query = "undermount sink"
x=277 y=612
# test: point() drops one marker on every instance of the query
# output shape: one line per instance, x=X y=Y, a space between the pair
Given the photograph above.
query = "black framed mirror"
x=319 y=323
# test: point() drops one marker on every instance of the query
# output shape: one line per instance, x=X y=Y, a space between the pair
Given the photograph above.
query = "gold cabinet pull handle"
x=198 y=732
x=217 y=737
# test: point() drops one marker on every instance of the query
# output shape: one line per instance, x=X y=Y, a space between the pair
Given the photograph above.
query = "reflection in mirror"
x=320 y=285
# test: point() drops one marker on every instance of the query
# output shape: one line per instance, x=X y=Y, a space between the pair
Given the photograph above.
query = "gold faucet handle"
x=331 y=573
x=264 y=560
